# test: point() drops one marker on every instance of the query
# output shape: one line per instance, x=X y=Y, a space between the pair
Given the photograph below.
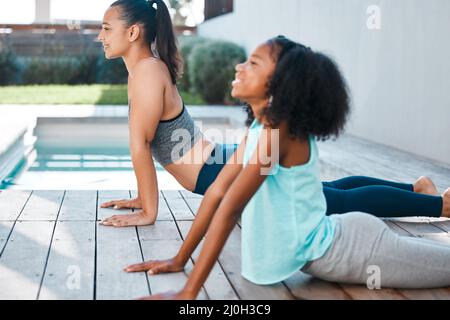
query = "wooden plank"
x=163 y=230
x=133 y=193
x=306 y=287
x=23 y=260
x=427 y=294
x=79 y=206
x=163 y=211
x=409 y=165
x=42 y=206
x=5 y=231
x=105 y=196
x=113 y=194
x=70 y=268
x=163 y=241
x=230 y=260
x=116 y=249
x=329 y=172
x=443 y=224
x=187 y=194
x=193 y=204
x=397 y=229
x=217 y=285
x=367 y=158
x=425 y=230
x=177 y=205
x=12 y=203
x=360 y=292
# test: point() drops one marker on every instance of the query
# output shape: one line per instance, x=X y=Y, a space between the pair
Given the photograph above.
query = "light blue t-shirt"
x=285 y=224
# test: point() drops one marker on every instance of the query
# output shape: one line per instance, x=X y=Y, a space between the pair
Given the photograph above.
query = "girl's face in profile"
x=252 y=77
x=114 y=34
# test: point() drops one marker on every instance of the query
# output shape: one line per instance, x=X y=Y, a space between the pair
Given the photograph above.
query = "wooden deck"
x=52 y=247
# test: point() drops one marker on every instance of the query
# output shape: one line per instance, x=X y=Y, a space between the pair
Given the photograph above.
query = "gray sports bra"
x=174 y=138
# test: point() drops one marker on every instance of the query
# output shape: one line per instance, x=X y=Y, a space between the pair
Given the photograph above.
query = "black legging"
x=379 y=197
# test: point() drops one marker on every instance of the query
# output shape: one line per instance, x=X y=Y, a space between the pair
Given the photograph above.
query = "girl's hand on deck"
x=157 y=266
x=123 y=204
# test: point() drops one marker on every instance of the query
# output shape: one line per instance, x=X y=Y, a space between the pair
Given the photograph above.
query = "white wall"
x=42 y=11
x=398 y=75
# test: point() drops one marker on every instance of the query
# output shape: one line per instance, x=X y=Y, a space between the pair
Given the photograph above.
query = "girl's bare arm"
x=213 y=197
x=234 y=201
x=208 y=207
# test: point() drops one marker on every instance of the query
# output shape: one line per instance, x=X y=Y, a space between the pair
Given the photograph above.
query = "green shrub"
x=61 y=70
x=9 y=67
x=88 y=69
x=187 y=44
x=212 y=69
x=111 y=71
x=87 y=72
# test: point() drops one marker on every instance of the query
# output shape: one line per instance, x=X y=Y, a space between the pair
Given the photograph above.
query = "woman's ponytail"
x=155 y=17
x=166 y=43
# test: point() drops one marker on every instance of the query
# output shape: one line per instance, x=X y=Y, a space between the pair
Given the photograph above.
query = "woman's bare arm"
x=146 y=96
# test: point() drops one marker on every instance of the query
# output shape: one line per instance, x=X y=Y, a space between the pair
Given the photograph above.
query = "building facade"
x=394 y=55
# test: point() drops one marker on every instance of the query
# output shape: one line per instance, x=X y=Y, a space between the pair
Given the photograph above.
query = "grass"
x=96 y=94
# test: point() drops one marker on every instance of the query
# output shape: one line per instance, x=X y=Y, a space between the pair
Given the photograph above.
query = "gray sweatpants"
x=366 y=251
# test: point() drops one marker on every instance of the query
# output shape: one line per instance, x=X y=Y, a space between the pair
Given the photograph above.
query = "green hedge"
x=87 y=69
x=111 y=71
x=187 y=44
x=208 y=71
x=51 y=71
x=212 y=69
x=9 y=67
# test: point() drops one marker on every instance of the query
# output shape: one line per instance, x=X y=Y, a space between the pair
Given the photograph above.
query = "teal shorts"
x=211 y=169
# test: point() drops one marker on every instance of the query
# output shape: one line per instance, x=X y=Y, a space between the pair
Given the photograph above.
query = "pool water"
x=80 y=169
x=85 y=157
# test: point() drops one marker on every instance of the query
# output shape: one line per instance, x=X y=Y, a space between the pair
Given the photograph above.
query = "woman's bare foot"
x=446 y=204
x=425 y=185
x=129 y=220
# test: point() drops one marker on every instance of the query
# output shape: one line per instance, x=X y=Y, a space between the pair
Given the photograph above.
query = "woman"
x=130 y=29
x=302 y=95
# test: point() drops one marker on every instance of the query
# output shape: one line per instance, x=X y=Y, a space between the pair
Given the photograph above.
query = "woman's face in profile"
x=114 y=34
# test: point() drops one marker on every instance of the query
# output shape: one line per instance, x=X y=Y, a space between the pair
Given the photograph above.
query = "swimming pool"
x=89 y=154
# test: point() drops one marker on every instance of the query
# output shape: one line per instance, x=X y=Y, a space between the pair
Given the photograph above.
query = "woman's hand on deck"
x=123 y=204
x=140 y=218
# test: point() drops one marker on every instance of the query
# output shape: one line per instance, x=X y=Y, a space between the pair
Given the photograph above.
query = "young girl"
x=299 y=95
x=130 y=28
